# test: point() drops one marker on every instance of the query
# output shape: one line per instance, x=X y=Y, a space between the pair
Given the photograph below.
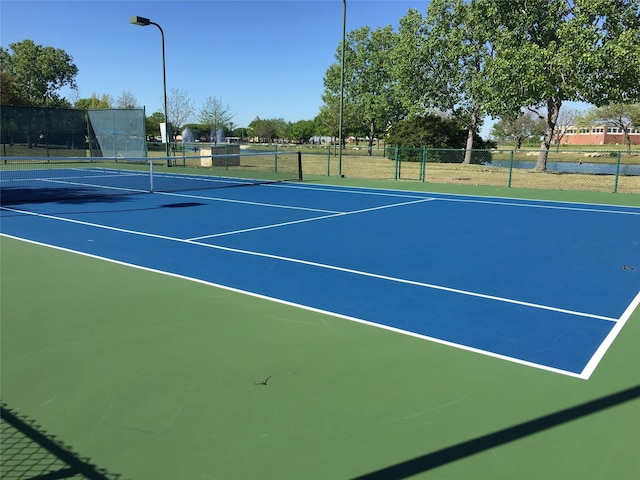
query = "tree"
x=551 y=51
x=619 y=115
x=328 y=119
x=302 y=130
x=269 y=129
x=179 y=109
x=435 y=132
x=368 y=84
x=152 y=124
x=440 y=62
x=431 y=131
x=9 y=94
x=566 y=119
x=126 y=100
x=38 y=73
x=635 y=119
x=199 y=130
x=518 y=129
x=94 y=102
x=215 y=114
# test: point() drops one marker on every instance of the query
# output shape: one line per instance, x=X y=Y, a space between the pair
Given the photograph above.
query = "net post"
x=150 y=174
x=299 y=166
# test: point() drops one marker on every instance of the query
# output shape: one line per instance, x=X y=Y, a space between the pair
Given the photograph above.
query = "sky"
x=264 y=58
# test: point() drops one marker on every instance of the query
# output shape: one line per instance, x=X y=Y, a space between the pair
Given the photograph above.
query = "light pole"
x=344 y=28
x=143 y=22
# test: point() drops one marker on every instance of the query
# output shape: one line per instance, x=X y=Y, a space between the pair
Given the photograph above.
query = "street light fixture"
x=143 y=22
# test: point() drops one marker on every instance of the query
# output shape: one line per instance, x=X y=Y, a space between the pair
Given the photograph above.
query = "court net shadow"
x=28 y=452
x=73 y=195
x=462 y=450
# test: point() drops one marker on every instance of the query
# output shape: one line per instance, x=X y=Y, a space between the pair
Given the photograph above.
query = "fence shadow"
x=28 y=452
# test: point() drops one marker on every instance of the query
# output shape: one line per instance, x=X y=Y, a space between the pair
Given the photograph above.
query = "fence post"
x=299 y=166
x=423 y=163
x=510 y=168
x=397 y=162
x=329 y=161
x=615 y=184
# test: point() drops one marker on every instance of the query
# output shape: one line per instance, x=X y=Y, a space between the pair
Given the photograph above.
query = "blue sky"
x=263 y=58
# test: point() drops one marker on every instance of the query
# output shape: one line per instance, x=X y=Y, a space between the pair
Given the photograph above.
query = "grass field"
x=155 y=377
x=378 y=167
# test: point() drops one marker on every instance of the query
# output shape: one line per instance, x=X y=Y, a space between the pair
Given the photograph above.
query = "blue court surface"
x=545 y=284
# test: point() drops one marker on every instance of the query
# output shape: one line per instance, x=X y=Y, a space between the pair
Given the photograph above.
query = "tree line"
x=472 y=59
x=462 y=61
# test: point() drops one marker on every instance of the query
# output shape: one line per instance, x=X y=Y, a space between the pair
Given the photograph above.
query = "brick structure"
x=599 y=136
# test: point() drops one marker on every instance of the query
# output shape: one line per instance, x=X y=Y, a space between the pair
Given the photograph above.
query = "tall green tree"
x=440 y=63
x=38 y=73
x=368 y=84
x=152 y=124
x=302 y=130
x=94 y=102
x=430 y=130
x=547 y=52
x=269 y=129
x=9 y=93
x=328 y=119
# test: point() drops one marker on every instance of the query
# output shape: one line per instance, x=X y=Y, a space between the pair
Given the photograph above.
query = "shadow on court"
x=465 y=449
x=73 y=195
x=29 y=452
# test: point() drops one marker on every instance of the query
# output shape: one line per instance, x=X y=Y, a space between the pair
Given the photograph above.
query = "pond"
x=573 y=167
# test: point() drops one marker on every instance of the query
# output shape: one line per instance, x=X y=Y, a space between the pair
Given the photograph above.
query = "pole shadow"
x=462 y=450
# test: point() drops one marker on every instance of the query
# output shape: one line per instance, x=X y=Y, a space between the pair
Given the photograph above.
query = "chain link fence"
x=56 y=132
x=595 y=170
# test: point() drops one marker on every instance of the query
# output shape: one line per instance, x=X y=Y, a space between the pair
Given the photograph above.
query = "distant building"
x=599 y=136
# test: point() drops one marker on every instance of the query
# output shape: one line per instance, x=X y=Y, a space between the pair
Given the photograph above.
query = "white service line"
x=246 y=202
x=533 y=205
x=323 y=266
x=304 y=220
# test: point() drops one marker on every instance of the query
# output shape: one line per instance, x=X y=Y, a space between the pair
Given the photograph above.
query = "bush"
x=446 y=138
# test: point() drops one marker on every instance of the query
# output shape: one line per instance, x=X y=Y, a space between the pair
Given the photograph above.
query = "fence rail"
x=588 y=170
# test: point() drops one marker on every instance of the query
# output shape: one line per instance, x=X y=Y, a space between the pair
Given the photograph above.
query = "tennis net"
x=27 y=180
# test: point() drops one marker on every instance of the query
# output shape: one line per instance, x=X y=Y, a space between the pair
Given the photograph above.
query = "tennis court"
x=338 y=297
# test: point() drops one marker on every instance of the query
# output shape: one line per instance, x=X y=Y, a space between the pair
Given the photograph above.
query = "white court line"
x=312 y=309
x=548 y=207
x=304 y=220
x=321 y=265
x=604 y=346
x=453 y=197
x=246 y=202
x=103 y=187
